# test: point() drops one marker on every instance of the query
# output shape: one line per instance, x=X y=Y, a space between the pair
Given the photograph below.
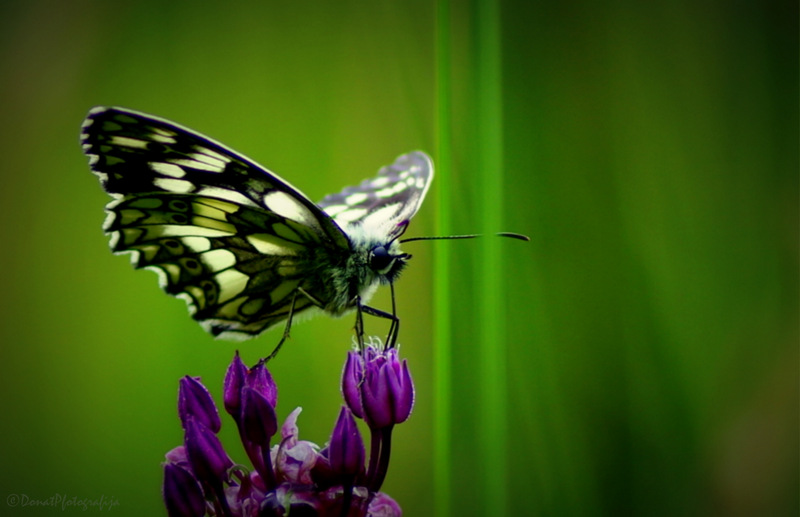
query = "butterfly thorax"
x=342 y=278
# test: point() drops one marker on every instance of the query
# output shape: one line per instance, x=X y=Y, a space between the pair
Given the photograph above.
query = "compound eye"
x=380 y=261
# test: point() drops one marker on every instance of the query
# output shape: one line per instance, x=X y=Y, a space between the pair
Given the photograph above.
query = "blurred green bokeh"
x=651 y=326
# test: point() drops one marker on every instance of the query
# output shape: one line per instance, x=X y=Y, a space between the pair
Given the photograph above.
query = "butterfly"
x=241 y=245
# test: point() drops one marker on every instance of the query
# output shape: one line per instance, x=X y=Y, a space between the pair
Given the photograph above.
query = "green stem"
x=442 y=347
x=493 y=392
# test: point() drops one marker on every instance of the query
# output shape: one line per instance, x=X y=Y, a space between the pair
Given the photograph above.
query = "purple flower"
x=256 y=378
x=387 y=392
x=207 y=458
x=383 y=506
x=377 y=387
x=294 y=459
x=346 y=449
x=292 y=476
x=195 y=400
x=258 y=417
x=259 y=379
x=232 y=390
x=182 y=494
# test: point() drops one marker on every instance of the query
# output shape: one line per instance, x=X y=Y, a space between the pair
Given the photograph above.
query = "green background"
x=639 y=356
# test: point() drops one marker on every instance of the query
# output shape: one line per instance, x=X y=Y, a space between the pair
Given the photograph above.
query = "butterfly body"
x=242 y=246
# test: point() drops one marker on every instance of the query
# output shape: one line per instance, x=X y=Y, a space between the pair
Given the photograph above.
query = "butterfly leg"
x=394 y=327
x=288 y=326
x=286 y=329
x=359 y=324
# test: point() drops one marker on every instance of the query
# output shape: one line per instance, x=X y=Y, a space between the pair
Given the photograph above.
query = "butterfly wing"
x=223 y=232
x=386 y=202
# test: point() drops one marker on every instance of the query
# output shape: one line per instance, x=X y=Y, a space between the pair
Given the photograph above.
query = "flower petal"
x=352 y=376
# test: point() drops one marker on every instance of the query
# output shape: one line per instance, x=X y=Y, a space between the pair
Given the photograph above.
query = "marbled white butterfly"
x=242 y=246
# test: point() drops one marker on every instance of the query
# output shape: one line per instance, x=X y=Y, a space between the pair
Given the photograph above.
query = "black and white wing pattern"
x=388 y=200
x=241 y=245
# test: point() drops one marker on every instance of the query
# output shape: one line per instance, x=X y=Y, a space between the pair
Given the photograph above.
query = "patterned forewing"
x=223 y=233
x=133 y=153
x=388 y=200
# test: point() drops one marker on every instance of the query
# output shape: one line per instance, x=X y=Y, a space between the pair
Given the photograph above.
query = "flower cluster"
x=293 y=476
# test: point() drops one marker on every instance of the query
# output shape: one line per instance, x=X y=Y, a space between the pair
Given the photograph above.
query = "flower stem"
x=383 y=463
x=347 y=499
x=269 y=473
x=253 y=452
x=222 y=501
x=374 y=455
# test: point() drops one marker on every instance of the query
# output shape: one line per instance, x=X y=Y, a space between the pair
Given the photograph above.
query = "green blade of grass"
x=492 y=434
x=442 y=307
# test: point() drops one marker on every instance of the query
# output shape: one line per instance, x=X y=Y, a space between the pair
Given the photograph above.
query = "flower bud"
x=195 y=400
x=387 y=392
x=182 y=494
x=346 y=449
x=206 y=456
x=259 y=379
x=232 y=388
x=258 y=417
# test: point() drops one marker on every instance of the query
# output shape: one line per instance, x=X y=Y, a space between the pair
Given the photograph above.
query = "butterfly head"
x=386 y=261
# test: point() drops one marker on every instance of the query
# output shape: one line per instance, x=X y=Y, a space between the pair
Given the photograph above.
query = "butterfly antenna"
x=511 y=235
